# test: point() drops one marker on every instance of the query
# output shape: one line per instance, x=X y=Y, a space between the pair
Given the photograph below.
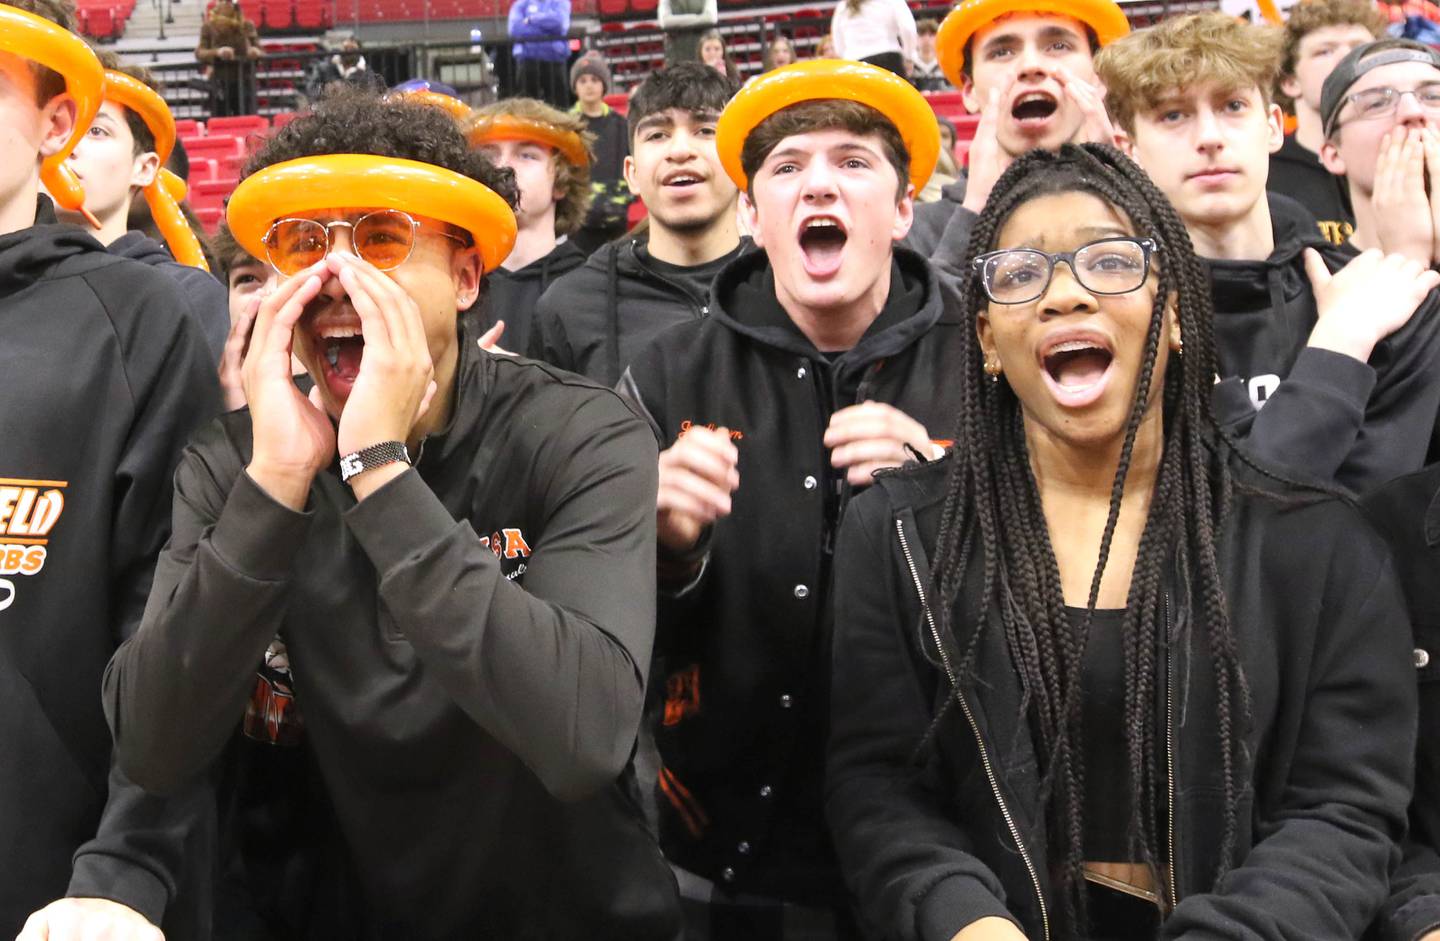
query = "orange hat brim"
x=363 y=181
x=1103 y=16
x=826 y=79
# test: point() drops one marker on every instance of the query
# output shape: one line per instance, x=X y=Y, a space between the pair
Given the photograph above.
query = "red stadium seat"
x=239 y=126
x=211 y=192
x=211 y=147
x=619 y=102
x=188 y=127
x=209 y=217
x=283 y=118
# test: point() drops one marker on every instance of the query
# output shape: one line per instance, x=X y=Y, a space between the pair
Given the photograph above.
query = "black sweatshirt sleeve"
x=1310 y=423
x=909 y=864
x=555 y=671
x=138 y=855
x=1326 y=836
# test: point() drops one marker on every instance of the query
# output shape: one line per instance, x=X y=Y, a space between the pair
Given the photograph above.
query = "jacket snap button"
x=802 y=592
x=743 y=849
x=1422 y=658
x=810 y=482
x=765 y=790
x=800 y=373
x=727 y=874
x=786 y=702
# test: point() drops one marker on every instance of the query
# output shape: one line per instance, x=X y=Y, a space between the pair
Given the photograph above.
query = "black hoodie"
x=742 y=650
x=927 y=233
x=468 y=648
x=596 y=319
x=1326 y=416
x=102 y=379
x=511 y=296
x=935 y=800
x=206 y=297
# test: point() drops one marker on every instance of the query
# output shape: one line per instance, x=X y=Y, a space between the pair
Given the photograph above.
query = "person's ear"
x=1125 y=142
x=1330 y=158
x=57 y=121
x=968 y=96
x=465 y=270
x=144 y=169
x=631 y=180
x=1290 y=85
x=1276 y=119
x=986 y=336
x=750 y=218
x=904 y=214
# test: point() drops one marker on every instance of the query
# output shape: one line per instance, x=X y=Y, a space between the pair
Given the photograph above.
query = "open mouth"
x=341 y=348
x=822 y=243
x=1077 y=369
x=1034 y=108
x=682 y=180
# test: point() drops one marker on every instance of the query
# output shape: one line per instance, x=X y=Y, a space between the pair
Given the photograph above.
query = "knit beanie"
x=591 y=63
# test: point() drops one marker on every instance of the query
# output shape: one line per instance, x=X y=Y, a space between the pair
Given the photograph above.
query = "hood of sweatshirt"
x=565 y=256
x=745 y=301
x=141 y=248
x=28 y=255
x=1278 y=280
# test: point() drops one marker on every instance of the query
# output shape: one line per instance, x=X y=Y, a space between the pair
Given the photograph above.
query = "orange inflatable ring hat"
x=164 y=194
x=35 y=38
x=1103 y=16
x=367 y=181
x=495 y=127
x=454 y=107
x=829 y=79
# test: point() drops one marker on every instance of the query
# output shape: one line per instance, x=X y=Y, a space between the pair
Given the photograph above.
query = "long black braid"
x=991 y=481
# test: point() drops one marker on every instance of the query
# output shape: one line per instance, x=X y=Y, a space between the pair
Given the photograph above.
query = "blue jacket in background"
x=539 y=27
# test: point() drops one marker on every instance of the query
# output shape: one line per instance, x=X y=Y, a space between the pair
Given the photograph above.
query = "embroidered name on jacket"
x=29 y=510
x=511 y=549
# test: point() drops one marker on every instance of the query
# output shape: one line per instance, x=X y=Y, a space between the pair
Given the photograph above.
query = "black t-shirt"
x=1298 y=173
x=694 y=278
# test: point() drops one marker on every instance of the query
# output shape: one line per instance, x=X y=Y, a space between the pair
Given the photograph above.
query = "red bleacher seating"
x=209 y=217
x=283 y=118
x=619 y=102
x=211 y=147
x=238 y=126
x=211 y=192
x=187 y=127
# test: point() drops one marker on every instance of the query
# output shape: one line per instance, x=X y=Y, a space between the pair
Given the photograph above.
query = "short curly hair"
x=48 y=82
x=1140 y=69
x=355 y=120
x=1306 y=18
x=572 y=180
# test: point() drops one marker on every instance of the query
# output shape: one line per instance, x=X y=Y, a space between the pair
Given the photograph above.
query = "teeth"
x=818 y=223
x=684 y=179
x=1032 y=96
x=338 y=332
x=1073 y=346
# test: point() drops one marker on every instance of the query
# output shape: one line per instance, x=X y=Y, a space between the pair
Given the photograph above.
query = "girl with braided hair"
x=1097 y=674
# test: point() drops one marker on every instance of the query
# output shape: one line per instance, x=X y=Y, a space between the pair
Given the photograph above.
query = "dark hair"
x=229 y=253
x=355 y=120
x=967 y=64
x=926 y=26
x=822 y=115
x=993 y=509
x=693 y=87
x=144 y=141
x=48 y=82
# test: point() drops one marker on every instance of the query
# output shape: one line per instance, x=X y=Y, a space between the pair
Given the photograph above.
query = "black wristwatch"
x=377 y=455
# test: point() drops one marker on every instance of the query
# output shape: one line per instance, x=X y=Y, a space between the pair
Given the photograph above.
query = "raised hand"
x=1405 y=221
x=293 y=437
x=1366 y=301
x=490 y=340
x=698 y=473
x=987 y=158
x=871 y=436
x=1090 y=99
x=232 y=357
x=397 y=376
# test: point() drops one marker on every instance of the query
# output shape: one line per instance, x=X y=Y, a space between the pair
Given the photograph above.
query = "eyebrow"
x=843 y=147
x=1091 y=233
x=1050 y=32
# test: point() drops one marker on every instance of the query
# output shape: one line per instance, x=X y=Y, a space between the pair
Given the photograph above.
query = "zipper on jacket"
x=974 y=728
x=1170 y=749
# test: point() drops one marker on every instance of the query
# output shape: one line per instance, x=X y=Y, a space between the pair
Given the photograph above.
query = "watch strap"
x=376 y=455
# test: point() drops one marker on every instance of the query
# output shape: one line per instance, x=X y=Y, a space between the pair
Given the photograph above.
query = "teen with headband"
x=457 y=549
x=1085 y=684
x=549 y=153
x=825 y=355
x=104 y=378
x=121 y=157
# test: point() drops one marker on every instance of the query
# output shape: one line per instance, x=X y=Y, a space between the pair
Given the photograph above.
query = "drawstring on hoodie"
x=612 y=306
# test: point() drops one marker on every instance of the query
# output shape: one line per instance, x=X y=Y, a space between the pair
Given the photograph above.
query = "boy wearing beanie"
x=610 y=196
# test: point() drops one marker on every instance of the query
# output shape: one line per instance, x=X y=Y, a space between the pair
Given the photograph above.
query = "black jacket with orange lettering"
x=103 y=376
x=742 y=652
x=468 y=650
